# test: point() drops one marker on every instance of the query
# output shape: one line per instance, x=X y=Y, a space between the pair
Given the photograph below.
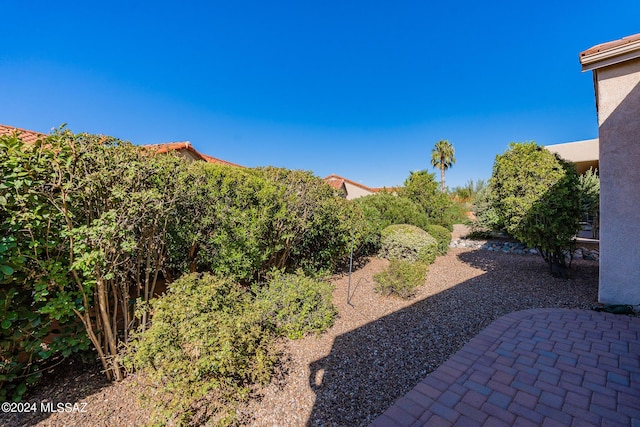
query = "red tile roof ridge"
x=333 y=176
x=610 y=45
x=216 y=160
x=28 y=136
x=186 y=145
x=165 y=147
x=335 y=183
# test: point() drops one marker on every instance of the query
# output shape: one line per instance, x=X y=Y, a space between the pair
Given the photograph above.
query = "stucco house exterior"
x=585 y=154
x=616 y=77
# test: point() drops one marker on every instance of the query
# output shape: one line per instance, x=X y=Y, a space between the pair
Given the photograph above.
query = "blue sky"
x=360 y=89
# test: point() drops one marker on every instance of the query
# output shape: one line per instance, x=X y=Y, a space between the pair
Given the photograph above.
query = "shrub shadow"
x=372 y=366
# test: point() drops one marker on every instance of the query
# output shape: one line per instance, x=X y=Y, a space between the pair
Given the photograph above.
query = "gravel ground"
x=378 y=349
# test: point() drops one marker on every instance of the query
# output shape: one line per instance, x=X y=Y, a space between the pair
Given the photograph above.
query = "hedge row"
x=91 y=226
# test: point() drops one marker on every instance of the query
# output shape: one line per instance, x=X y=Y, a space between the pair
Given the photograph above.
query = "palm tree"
x=442 y=158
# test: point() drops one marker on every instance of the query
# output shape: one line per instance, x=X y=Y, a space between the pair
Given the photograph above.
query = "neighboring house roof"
x=27 y=136
x=611 y=53
x=217 y=161
x=351 y=188
x=334 y=177
x=187 y=149
x=183 y=147
x=585 y=154
x=335 y=183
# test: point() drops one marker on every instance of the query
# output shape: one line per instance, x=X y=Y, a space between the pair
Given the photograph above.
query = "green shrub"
x=206 y=347
x=536 y=195
x=442 y=236
x=423 y=190
x=297 y=304
x=407 y=242
x=400 y=278
x=487 y=218
x=241 y=223
x=382 y=210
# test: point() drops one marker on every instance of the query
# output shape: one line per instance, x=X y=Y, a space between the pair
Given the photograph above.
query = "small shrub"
x=207 y=345
x=401 y=278
x=442 y=236
x=407 y=242
x=382 y=210
x=297 y=304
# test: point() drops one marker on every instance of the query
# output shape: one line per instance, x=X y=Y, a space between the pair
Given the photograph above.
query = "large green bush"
x=422 y=189
x=401 y=278
x=408 y=242
x=206 y=347
x=297 y=304
x=241 y=223
x=536 y=196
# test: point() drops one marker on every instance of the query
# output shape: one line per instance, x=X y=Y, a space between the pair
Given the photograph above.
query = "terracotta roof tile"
x=335 y=183
x=610 y=45
x=215 y=160
x=186 y=145
x=334 y=177
x=27 y=136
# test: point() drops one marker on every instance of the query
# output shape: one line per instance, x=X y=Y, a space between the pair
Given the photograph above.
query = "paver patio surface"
x=540 y=367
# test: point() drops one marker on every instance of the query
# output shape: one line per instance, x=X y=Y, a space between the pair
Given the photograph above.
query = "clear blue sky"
x=363 y=89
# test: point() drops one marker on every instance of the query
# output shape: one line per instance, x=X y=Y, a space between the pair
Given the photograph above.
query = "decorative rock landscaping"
x=518 y=248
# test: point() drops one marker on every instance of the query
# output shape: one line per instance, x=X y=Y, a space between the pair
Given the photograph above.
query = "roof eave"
x=611 y=56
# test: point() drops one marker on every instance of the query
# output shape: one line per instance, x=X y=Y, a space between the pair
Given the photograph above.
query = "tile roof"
x=27 y=136
x=611 y=53
x=166 y=147
x=610 y=45
x=186 y=145
x=217 y=161
x=334 y=177
x=335 y=183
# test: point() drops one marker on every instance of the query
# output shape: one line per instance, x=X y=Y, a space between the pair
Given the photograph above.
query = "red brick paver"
x=541 y=367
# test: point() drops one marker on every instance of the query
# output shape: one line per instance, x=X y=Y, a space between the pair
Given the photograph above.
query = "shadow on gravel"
x=71 y=382
x=372 y=366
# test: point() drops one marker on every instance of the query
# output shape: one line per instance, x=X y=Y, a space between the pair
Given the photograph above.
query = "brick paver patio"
x=541 y=367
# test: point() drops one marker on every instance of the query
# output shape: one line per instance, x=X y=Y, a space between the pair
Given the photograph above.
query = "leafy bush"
x=589 y=188
x=297 y=304
x=206 y=347
x=487 y=218
x=241 y=223
x=442 y=236
x=422 y=189
x=35 y=298
x=535 y=194
x=407 y=242
x=400 y=278
x=384 y=209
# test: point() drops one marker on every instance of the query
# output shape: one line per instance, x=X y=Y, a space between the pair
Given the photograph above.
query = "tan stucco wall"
x=353 y=191
x=618 y=100
x=584 y=154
